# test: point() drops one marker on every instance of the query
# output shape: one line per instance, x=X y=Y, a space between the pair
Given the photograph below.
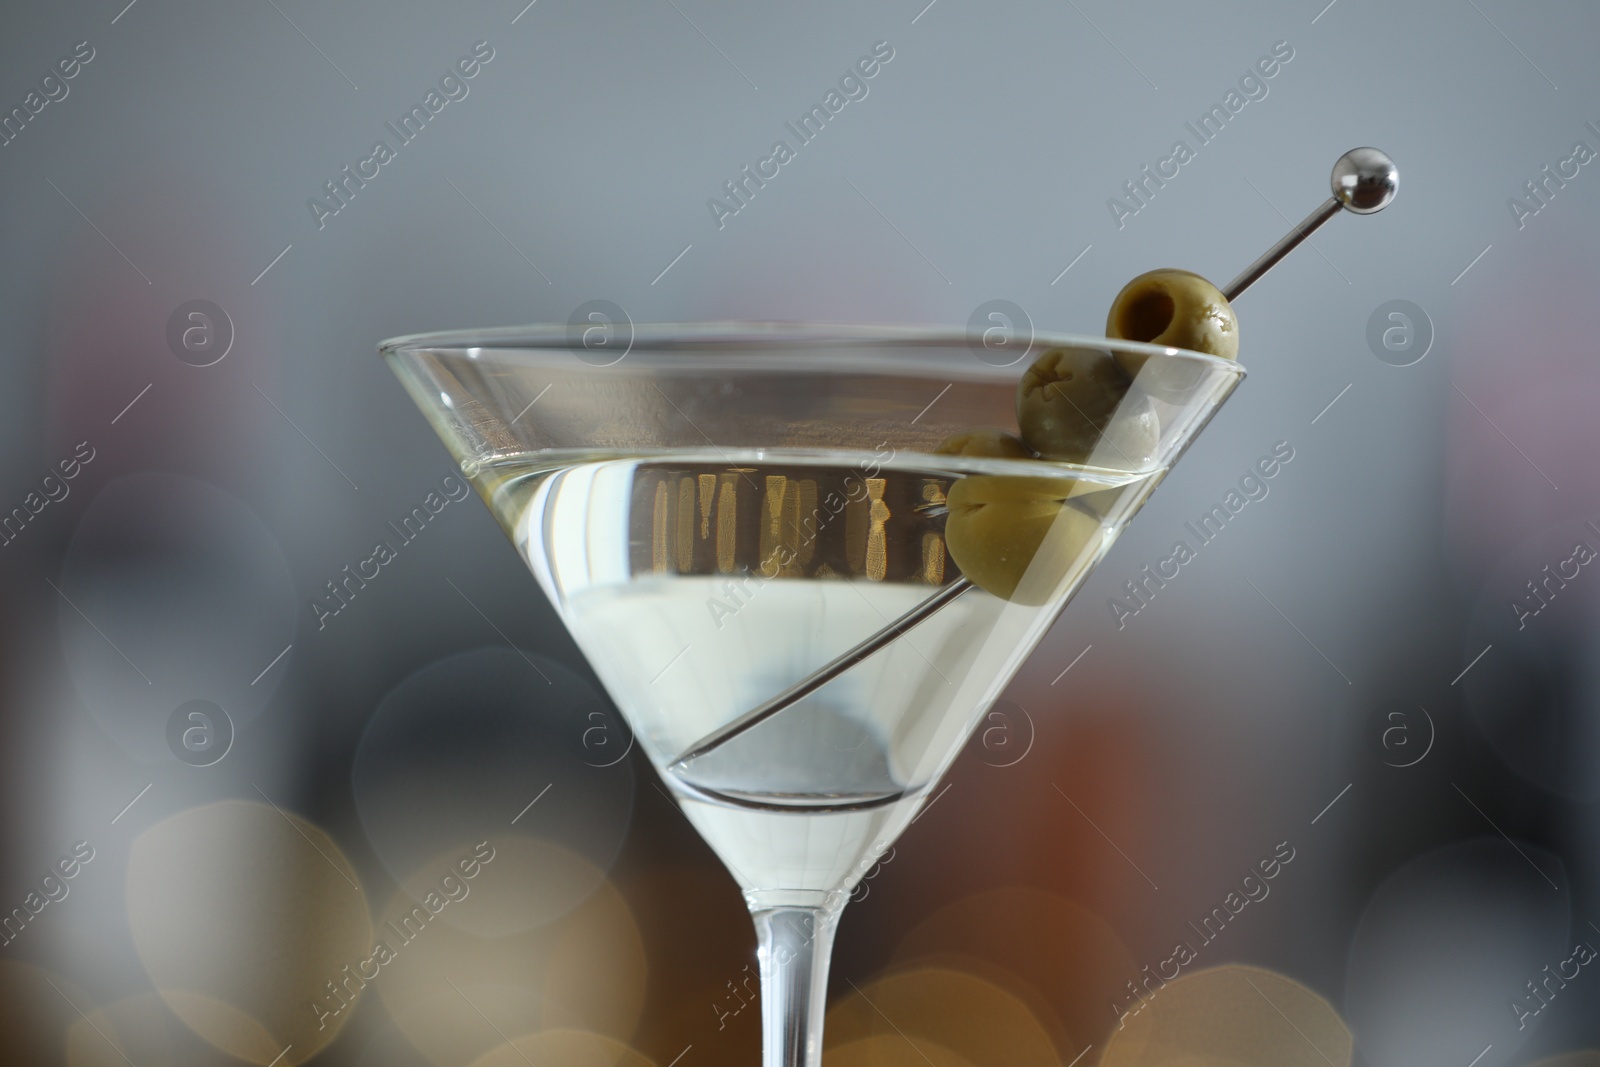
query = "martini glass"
x=800 y=606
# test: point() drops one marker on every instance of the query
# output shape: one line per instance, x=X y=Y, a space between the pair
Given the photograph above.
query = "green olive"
x=1176 y=308
x=1076 y=405
x=1017 y=537
x=993 y=444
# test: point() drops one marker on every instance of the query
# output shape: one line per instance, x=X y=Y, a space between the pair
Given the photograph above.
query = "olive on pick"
x=1077 y=405
x=1175 y=308
x=1017 y=537
x=991 y=444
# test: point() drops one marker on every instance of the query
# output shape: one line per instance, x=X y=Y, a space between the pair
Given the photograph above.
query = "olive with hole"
x=1017 y=537
x=990 y=444
x=1077 y=405
x=1178 y=309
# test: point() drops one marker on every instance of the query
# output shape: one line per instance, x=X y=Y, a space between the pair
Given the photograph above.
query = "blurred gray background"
x=1344 y=668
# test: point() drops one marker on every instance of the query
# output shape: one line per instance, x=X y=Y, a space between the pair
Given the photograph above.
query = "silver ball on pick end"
x=1365 y=180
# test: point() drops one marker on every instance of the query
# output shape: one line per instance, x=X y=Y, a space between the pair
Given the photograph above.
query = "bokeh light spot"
x=1059 y=950
x=568 y=1048
x=245 y=918
x=1231 y=1015
x=585 y=971
x=974 y=1018
x=892 y=1051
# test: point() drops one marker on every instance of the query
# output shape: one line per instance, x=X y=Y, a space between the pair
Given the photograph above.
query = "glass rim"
x=776 y=335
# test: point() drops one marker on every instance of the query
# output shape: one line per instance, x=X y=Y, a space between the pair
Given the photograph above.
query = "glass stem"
x=794 y=945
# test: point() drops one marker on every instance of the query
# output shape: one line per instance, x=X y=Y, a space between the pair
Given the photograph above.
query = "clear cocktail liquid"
x=702 y=584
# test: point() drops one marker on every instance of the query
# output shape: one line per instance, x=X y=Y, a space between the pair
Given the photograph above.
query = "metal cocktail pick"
x=1364 y=181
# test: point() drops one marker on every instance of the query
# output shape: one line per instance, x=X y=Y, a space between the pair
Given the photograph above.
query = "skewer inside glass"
x=1364 y=181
